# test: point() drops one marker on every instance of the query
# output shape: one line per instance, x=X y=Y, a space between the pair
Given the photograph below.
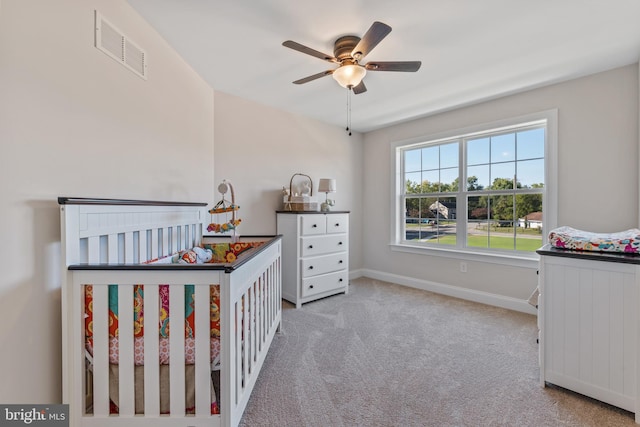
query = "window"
x=483 y=190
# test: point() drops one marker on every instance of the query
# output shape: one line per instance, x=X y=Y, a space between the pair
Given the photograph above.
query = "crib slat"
x=143 y=246
x=254 y=328
x=112 y=249
x=264 y=309
x=154 y=243
x=128 y=248
x=180 y=236
x=246 y=316
x=100 y=350
x=93 y=249
x=174 y=240
x=165 y=242
x=176 y=351
x=151 y=353
x=203 y=350
x=125 y=363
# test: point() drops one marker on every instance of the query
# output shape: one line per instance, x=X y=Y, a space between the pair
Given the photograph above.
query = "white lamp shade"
x=327 y=185
x=349 y=75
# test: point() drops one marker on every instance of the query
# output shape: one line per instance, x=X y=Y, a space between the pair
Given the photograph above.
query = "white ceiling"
x=471 y=50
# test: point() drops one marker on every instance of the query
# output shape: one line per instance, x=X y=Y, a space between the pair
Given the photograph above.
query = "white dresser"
x=588 y=316
x=315 y=254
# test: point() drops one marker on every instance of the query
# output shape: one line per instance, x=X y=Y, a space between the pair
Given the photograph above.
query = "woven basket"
x=301 y=203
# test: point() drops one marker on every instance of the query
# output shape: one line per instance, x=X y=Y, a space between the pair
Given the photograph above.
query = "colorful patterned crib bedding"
x=163 y=331
x=627 y=241
x=163 y=327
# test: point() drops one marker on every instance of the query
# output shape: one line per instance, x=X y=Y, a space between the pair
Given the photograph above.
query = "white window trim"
x=550 y=197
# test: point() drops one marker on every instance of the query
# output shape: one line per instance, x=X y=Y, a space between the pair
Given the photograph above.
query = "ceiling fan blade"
x=410 y=66
x=304 y=49
x=372 y=37
x=359 y=88
x=313 y=77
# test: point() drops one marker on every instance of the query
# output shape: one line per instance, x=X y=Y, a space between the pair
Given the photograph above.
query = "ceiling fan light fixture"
x=349 y=76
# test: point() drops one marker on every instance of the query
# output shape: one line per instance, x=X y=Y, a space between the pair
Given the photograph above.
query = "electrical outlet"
x=463 y=267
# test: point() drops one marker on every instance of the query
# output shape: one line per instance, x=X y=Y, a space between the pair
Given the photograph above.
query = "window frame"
x=549 y=197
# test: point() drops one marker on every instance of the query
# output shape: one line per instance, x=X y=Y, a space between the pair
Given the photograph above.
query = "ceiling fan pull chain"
x=349 y=111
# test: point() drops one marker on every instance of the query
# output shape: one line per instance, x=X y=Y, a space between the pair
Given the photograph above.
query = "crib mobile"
x=224 y=207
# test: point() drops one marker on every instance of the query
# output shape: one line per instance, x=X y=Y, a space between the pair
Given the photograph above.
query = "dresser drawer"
x=313 y=224
x=337 y=223
x=323 y=264
x=319 y=245
x=323 y=283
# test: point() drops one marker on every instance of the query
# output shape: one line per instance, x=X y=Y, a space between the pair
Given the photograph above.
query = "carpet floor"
x=389 y=355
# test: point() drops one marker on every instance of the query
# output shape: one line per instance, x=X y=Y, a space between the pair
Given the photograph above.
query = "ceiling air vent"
x=111 y=41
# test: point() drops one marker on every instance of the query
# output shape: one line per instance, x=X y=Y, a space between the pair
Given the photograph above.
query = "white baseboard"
x=452 y=291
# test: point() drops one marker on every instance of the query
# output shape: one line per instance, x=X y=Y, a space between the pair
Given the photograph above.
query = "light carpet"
x=389 y=355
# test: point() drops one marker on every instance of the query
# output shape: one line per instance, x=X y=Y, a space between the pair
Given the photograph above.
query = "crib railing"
x=250 y=310
x=253 y=295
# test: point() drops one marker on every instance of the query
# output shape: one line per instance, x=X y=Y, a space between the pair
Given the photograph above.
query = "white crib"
x=105 y=242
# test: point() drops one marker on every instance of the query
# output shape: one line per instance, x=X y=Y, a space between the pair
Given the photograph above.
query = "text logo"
x=35 y=415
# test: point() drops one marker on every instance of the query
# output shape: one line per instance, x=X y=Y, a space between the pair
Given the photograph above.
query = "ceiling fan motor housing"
x=344 y=46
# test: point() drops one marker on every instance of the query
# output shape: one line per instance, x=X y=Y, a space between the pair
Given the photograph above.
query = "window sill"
x=513 y=260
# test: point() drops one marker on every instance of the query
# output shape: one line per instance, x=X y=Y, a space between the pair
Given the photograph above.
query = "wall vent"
x=114 y=43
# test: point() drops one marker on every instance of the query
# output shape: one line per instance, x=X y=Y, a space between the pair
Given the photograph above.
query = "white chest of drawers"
x=315 y=254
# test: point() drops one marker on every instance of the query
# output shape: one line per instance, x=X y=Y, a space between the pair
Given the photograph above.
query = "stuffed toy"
x=203 y=255
x=187 y=257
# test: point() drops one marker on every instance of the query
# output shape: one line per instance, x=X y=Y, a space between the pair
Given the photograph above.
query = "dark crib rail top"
x=226 y=267
x=122 y=202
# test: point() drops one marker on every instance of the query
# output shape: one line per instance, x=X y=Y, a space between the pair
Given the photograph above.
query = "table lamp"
x=327 y=186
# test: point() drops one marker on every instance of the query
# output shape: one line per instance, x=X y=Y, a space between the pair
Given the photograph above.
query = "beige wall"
x=73 y=122
x=597 y=176
x=259 y=148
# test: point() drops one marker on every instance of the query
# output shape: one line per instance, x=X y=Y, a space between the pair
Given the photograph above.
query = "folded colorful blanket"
x=627 y=241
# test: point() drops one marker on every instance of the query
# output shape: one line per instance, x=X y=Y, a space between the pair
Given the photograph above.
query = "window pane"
x=412 y=161
x=477 y=222
x=529 y=224
x=412 y=182
x=425 y=213
x=412 y=213
x=530 y=144
x=418 y=222
x=430 y=182
x=501 y=232
x=531 y=172
x=502 y=175
x=503 y=148
x=478 y=151
x=430 y=157
x=449 y=155
x=449 y=180
x=477 y=177
x=445 y=212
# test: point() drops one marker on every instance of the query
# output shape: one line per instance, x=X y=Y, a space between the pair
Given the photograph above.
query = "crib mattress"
x=627 y=241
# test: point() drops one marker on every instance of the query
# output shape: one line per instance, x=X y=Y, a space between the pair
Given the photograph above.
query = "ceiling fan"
x=348 y=51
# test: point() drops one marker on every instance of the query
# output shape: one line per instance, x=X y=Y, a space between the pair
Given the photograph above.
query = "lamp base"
x=325 y=207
